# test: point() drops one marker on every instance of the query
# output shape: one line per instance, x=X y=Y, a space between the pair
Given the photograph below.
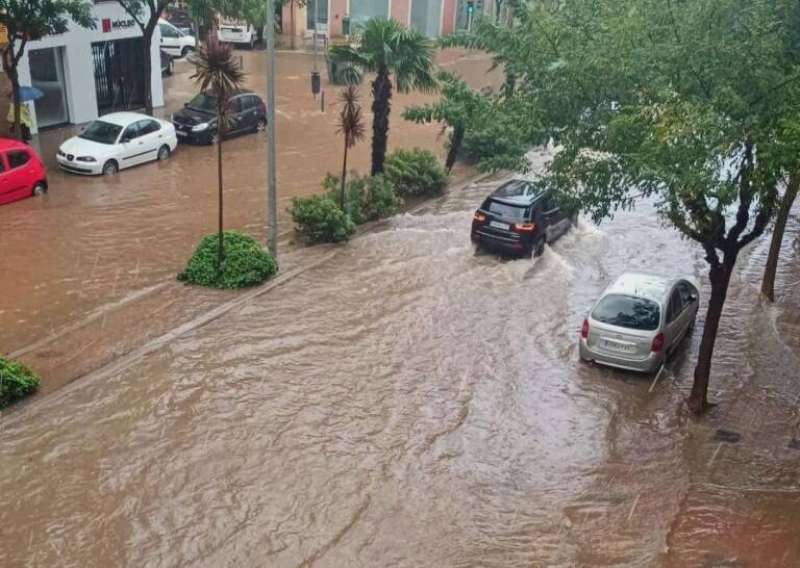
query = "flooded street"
x=93 y=243
x=410 y=403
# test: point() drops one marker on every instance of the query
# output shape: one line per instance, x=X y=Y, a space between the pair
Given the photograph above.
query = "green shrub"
x=415 y=173
x=320 y=219
x=382 y=199
x=245 y=263
x=366 y=198
x=16 y=381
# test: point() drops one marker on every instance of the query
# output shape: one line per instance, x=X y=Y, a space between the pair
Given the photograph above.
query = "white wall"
x=78 y=64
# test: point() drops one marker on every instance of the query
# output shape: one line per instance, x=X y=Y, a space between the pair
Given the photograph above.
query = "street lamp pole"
x=272 y=178
x=316 y=17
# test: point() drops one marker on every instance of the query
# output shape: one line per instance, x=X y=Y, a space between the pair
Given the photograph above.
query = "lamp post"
x=272 y=178
x=316 y=85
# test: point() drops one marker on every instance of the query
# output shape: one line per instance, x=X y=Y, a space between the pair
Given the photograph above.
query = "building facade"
x=431 y=17
x=85 y=73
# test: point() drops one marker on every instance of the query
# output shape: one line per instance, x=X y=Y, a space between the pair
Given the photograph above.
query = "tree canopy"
x=694 y=105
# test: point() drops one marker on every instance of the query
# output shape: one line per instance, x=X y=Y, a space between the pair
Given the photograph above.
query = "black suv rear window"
x=507 y=210
x=627 y=311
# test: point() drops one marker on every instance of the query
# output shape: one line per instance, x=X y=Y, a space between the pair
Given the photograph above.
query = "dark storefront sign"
x=118 y=74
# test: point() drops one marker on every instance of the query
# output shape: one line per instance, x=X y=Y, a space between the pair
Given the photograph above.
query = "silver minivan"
x=639 y=321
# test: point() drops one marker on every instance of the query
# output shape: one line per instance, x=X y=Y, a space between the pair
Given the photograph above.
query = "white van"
x=236 y=32
x=174 y=41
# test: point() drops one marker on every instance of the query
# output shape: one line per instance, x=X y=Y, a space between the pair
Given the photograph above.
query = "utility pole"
x=272 y=178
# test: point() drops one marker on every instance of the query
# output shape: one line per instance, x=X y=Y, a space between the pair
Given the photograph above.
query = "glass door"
x=47 y=75
x=426 y=16
x=363 y=10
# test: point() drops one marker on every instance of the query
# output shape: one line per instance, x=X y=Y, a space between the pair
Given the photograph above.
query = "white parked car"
x=117 y=141
x=239 y=33
x=174 y=41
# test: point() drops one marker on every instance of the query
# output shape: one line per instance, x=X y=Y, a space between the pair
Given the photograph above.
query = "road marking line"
x=658 y=375
x=633 y=507
x=714 y=455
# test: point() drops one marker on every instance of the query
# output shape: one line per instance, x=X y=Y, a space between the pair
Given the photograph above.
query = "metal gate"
x=118 y=74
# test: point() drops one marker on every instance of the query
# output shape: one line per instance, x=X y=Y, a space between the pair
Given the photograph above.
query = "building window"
x=426 y=16
x=321 y=14
x=363 y=10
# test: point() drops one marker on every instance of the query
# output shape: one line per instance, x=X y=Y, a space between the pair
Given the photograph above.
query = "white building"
x=85 y=73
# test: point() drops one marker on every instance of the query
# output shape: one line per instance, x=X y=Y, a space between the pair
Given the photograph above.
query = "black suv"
x=197 y=122
x=519 y=218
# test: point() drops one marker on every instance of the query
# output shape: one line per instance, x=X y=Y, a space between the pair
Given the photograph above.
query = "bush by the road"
x=415 y=173
x=16 y=381
x=320 y=219
x=245 y=263
x=366 y=198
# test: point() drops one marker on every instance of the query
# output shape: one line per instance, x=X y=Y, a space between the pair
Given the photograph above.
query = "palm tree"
x=386 y=48
x=218 y=71
x=351 y=124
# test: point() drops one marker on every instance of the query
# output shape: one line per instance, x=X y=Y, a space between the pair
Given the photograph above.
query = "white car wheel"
x=163 y=153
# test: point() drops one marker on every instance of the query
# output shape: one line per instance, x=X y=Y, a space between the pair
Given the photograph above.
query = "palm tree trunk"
x=220 y=132
x=381 y=107
x=771 y=269
x=344 y=177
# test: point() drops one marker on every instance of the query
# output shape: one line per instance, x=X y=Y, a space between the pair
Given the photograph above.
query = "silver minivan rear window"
x=628 y=311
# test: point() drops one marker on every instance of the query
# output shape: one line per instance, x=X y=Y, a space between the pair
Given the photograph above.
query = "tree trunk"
x=220 y=134
x=771 y=269
x=291 y=23
x=455 y=146
x=381 y=107
x=720 y=277
x=344 y=176
x=147 y=37
x=15 y=95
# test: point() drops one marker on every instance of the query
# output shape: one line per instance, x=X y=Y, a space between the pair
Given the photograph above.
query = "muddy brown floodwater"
x=92 y=243
x=412 y=404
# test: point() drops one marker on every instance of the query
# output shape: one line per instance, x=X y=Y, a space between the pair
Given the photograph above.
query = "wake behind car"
x=22 y=172
x=639 y=321
x=519 y=218
x=198 y=122
x=117 y=141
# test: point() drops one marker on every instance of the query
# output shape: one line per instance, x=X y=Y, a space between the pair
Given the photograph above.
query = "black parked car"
x=519 y=218
x=197 y=122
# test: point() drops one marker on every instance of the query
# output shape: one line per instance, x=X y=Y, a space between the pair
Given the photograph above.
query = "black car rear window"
x=507 y=210
x=628 y=311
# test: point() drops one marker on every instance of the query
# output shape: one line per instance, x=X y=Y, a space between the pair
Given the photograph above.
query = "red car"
x=22 y=172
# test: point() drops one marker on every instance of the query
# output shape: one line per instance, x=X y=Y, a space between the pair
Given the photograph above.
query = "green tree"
x=351 y=124
x=31 y=20
x=458 y=107
x=391 y=51
x=146 y=14
x=683 y=103
x=218 y=71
